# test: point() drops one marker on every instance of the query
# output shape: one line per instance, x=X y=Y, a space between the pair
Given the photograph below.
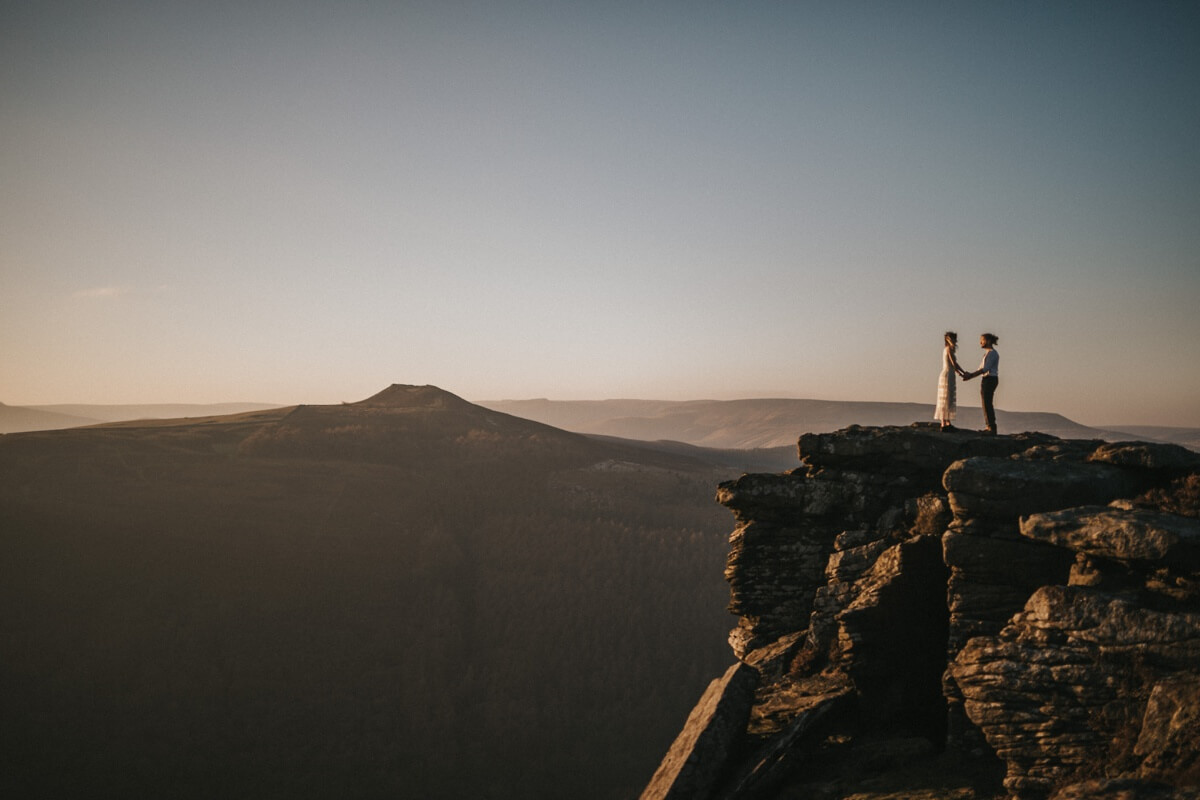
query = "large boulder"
x=1005 y=489
x=1147 y=456
x=1126 y=534
x=792 y=716
x=1169 y=742
x=1064 y=687
x=693 y=765
x=991 y=575
x=788 y=497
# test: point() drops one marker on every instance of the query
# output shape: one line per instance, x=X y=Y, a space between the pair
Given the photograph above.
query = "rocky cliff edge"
x=949 y=615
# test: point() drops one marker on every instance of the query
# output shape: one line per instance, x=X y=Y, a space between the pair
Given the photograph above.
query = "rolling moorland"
x=724 y=424
x=17 y=419
x=409 y=596
x=765 y=423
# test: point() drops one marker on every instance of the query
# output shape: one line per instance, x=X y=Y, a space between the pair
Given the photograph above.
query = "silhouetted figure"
x=947 y=394
x=989 y=368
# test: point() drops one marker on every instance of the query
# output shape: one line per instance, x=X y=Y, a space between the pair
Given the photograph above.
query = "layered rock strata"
x=1064 y=690
x=1020 y=597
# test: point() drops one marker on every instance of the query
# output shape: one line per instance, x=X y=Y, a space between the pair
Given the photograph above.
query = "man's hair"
x=991 y=338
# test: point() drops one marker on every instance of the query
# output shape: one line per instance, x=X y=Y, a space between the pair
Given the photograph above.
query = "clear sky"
x=308 y=201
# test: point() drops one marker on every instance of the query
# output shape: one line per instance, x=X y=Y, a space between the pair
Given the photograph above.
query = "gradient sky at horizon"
x=308 y=201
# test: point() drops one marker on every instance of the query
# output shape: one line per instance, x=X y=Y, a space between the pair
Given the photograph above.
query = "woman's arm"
x=982 y=369
x=957 y=368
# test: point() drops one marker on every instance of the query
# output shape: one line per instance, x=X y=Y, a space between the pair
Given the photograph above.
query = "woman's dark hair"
x=991 y=338
x=952 y=338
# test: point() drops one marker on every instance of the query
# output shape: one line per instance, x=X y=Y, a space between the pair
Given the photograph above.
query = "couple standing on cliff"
x=989 y=368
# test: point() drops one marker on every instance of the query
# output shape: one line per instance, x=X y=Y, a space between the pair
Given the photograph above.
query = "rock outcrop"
x=1017 y=601
x=1064 y=689
x=692 y=766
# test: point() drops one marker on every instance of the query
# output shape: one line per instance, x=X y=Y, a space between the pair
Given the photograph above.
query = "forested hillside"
x=416 y=598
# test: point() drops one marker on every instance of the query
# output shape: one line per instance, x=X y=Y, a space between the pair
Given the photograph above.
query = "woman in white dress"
x=947 y=395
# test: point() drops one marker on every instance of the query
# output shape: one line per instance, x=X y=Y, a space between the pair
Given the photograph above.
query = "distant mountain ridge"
x=120 y=413
x=753 y=423
x=718 y=424
x=1188 y=437
x=17 y=419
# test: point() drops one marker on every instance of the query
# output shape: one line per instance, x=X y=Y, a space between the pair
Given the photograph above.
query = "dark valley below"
x=410 y=596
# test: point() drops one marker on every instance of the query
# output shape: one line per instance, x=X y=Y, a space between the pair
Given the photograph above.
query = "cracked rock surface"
x=931 y=615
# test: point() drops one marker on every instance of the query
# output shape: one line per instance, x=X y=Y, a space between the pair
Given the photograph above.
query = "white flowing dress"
x=947 y=400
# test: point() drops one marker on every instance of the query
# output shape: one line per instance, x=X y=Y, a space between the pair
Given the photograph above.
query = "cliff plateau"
x=933 y=615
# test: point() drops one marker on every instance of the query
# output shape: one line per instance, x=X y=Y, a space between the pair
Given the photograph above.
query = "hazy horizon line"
x=479 y=401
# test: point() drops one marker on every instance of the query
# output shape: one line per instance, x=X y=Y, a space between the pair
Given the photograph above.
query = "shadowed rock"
x=717 y=723
x=806 y=706
x=1065 y=680
x=1169 y=742
x=1147 y=455
x=892 y=639
x=1124 y=789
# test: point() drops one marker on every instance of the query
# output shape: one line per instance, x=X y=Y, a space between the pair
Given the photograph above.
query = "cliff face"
x=908 y=596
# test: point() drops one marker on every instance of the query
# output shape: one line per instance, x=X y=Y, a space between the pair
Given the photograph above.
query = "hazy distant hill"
x=758 y=423
x=19 y=418
x=723 y=425
x=1188 y=437
x=15 y=419
x=117 y=413
x=411 y=596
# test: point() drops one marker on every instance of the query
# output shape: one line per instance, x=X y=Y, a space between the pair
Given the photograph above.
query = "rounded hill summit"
x=400 y=395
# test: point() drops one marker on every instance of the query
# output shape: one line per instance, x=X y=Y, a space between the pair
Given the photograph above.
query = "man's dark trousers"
x=987 y=391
